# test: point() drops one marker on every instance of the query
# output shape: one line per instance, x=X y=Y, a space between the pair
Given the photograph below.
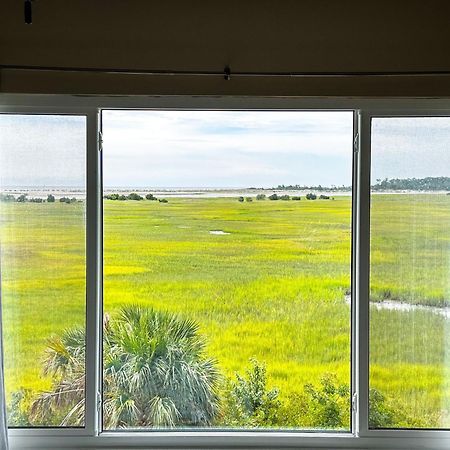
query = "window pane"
x=409 y=277
x=227 y=269
x=43 y=265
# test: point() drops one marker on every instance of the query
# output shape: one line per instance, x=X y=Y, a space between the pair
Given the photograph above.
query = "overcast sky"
x=217 y=149
x=226 y=149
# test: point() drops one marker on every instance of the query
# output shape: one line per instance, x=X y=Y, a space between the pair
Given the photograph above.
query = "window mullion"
x=362 y=244
x=93 y=275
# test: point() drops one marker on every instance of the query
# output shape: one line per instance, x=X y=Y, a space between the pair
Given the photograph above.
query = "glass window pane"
x=409 y=276
x=227 y=240
x=43 y=267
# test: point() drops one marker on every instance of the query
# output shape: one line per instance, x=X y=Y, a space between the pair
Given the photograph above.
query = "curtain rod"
x=227 y=74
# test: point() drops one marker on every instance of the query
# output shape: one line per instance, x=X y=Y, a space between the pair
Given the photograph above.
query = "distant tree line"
x=134 y=196
x=413 y=184
x=23 y=198
x=319 y=187
x=386 y=184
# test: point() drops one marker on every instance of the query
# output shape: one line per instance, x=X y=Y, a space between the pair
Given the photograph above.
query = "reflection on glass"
x=43 y=267
x=227 y=269
x=409 y=277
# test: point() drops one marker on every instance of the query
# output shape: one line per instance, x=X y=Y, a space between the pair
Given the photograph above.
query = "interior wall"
x=327 y=36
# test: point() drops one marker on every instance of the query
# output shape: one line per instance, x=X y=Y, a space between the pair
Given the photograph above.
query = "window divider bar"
x=93 y=276
x=353 y=318
x=362 y=289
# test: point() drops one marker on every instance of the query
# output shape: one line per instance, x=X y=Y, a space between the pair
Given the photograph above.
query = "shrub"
x=17 y=409
x=22 y=198
x=324 y=197
x=163 y=200
x=65 y=200
x=7 y=198
x=296 y=197
x=248 y=199
x=112 y=197
x=134 y=196
x=311 y=196
x=261 y=197
x=240 y=199
x=150 y=197
x=36 y=200
x=248 y=402
x=122 y=198
x=325 y=406
x=273 y=197
x=285 y=197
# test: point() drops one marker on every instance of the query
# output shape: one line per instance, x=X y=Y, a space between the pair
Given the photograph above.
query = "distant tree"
x=260 y=197
x=64 y=200
x=295 y=197
x=240 y=199
x=35 y=200
x=248 y=199
x=150 y=197
x=284 y=197
x=122 y=197
x=134 y=196
x=112 y=197
x=273 y=197
x=311 y=196
x=7 y=198
x=163 y=200
x=22 y=198
x=324 y=197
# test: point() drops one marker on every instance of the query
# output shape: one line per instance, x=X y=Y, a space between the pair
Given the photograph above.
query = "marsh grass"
x=273 y=289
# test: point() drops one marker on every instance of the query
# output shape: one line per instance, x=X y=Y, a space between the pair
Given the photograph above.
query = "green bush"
x=7 y=198
x=112 y=197
x=326 y=406
x=296 y=197
x=284 y=197
x=134 y=196
x=261 y=197
x=17 y=409
x=311 y=196
x=248 y=199
x=248 y=402
x=273 y=197
x=240 y=199
x=150 y=197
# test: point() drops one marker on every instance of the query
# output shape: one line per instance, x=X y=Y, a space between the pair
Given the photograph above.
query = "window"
x=409 y=289
x=43 y=265
x=225 y=272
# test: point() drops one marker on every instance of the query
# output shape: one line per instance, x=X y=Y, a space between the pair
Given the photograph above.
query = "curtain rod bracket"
x=28 y=12
x=227 y=73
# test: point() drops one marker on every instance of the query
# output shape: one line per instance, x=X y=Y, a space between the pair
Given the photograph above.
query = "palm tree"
x=155 y=373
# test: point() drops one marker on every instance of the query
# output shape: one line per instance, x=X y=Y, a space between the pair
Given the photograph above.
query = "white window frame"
x=92 y=436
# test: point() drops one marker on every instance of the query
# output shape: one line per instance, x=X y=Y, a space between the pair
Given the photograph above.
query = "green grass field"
x=273 y=288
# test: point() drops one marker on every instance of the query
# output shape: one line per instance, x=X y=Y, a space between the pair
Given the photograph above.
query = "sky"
x=226 y=149
x=217 y=148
